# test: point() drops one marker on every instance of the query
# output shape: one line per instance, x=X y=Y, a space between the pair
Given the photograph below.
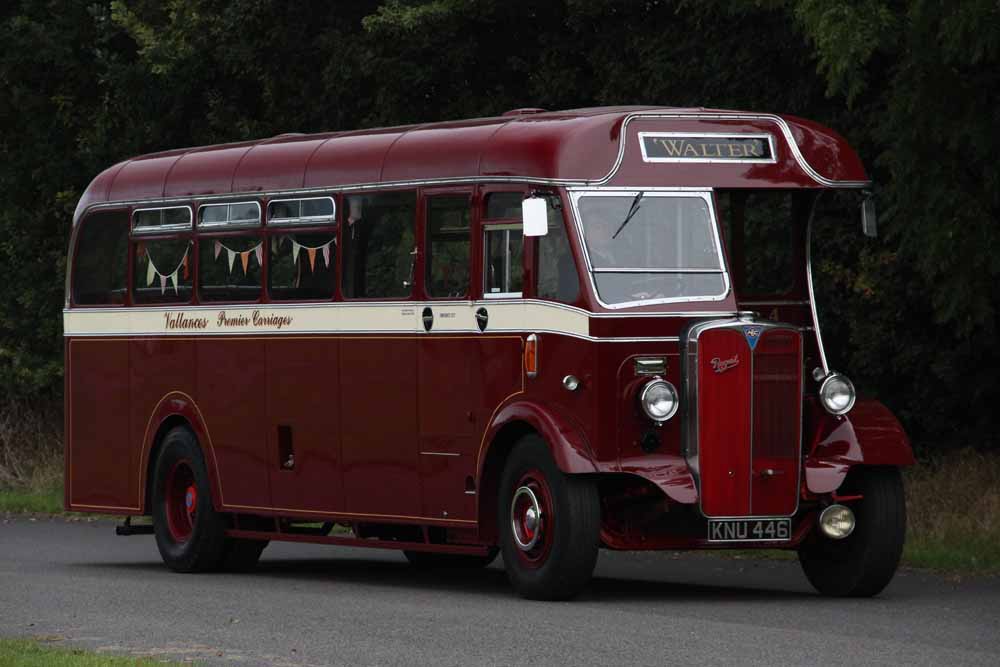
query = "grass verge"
x=953 y=513
x=34 y=653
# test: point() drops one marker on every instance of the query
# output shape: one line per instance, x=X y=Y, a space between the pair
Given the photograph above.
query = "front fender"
x=564 y=435
x=868 y=435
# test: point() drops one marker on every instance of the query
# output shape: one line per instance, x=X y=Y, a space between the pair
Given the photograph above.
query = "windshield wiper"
x=632 y=210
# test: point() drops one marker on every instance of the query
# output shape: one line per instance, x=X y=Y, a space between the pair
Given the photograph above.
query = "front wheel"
x=862 y=564
x=549 y=524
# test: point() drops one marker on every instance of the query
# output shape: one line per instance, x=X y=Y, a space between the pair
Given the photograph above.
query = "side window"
x=557 y=277
x=379 y=245
x=447 y=265
x=302 y=265
x=162 y=271
x=764 y=222
x=500 y=205
x=503 y=261
x=229 y=267
x=100 y=267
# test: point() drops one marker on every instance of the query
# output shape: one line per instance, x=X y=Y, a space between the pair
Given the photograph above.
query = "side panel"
x=448 y=394
x=378 y=404
x=231 y=395
x=303 y=422
x=101 y=464
x=159 y=367
x=724 y=422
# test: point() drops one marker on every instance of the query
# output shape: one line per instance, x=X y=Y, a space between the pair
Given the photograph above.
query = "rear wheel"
x=549 y=524
x=190 y=534
x=432 y=561
x=862 y=564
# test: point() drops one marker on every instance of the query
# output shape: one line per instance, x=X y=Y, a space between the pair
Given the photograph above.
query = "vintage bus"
x=540 y=334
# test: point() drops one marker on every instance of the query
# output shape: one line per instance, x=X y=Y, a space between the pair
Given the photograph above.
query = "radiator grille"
x=776 y=396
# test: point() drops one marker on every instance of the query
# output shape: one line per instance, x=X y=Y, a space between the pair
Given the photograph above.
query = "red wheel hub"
x=531 y=519
x=180 y=497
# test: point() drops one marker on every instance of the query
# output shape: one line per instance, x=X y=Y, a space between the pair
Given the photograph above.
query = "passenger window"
x=503 y=261
x=557 y=277
x=100 y=268
x=236 y=214
x=162 y=271
x=302 y=266
x=447 y=265
x=153 y=220
x=379 y=245
x=311 y=211
x=229 y=268
x=502 y=205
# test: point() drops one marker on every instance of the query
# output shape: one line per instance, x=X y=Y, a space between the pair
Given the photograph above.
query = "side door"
x=378 y=355
x=449 y=357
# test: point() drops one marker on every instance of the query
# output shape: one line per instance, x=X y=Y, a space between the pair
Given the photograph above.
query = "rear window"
x=100 y=268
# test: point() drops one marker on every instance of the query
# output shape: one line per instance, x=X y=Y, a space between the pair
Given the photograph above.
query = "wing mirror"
x=869 y=222
x=535 y=216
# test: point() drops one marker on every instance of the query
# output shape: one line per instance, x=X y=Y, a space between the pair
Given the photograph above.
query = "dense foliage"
x=914 y=85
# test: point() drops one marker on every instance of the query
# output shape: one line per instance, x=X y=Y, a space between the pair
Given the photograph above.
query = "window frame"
x=162 y=229
x=507 y=226
x=75 y=256
x=416 y=287
x=228 y=224
x=304 y=221
x=216 y=233
x=315 y=225
x=423 y=245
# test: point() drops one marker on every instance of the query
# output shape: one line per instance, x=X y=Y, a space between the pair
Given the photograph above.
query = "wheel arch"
x=868 y=436
x=564 y=438
x=176 y=409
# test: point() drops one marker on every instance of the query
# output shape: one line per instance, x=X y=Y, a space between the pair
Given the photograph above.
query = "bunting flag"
x=152 y=273
x=257 y=252
x=311 y=252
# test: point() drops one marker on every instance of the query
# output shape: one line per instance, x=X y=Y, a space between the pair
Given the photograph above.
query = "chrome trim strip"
x=704 y=194
x=440 y=454
x=812 y=293
x=616 y=270
x=709 y=135
x=776 y=302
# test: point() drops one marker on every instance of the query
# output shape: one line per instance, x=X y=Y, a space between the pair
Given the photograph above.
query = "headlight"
x=837 y=394
x=659 y=400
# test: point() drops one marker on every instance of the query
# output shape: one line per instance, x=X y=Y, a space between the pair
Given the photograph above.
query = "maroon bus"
x=539 y=334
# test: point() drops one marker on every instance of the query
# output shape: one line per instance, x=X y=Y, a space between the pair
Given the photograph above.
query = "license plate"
x=749 y=530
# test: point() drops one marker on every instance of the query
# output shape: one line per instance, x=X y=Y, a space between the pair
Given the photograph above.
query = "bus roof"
x=595 y=146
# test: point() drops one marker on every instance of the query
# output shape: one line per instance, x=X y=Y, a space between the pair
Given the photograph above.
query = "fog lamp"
x=837 y=394
x=659 y=400
x=836 y=522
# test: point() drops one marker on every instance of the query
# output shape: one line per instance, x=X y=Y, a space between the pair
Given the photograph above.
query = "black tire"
x=862 y=564
x=562 y=564
x=198 y=545
x=434 y=561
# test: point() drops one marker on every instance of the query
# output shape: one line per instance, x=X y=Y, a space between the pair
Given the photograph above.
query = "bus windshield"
x=654 y=247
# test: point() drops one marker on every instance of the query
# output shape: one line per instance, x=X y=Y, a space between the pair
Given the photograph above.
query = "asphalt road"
x=316 y=605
